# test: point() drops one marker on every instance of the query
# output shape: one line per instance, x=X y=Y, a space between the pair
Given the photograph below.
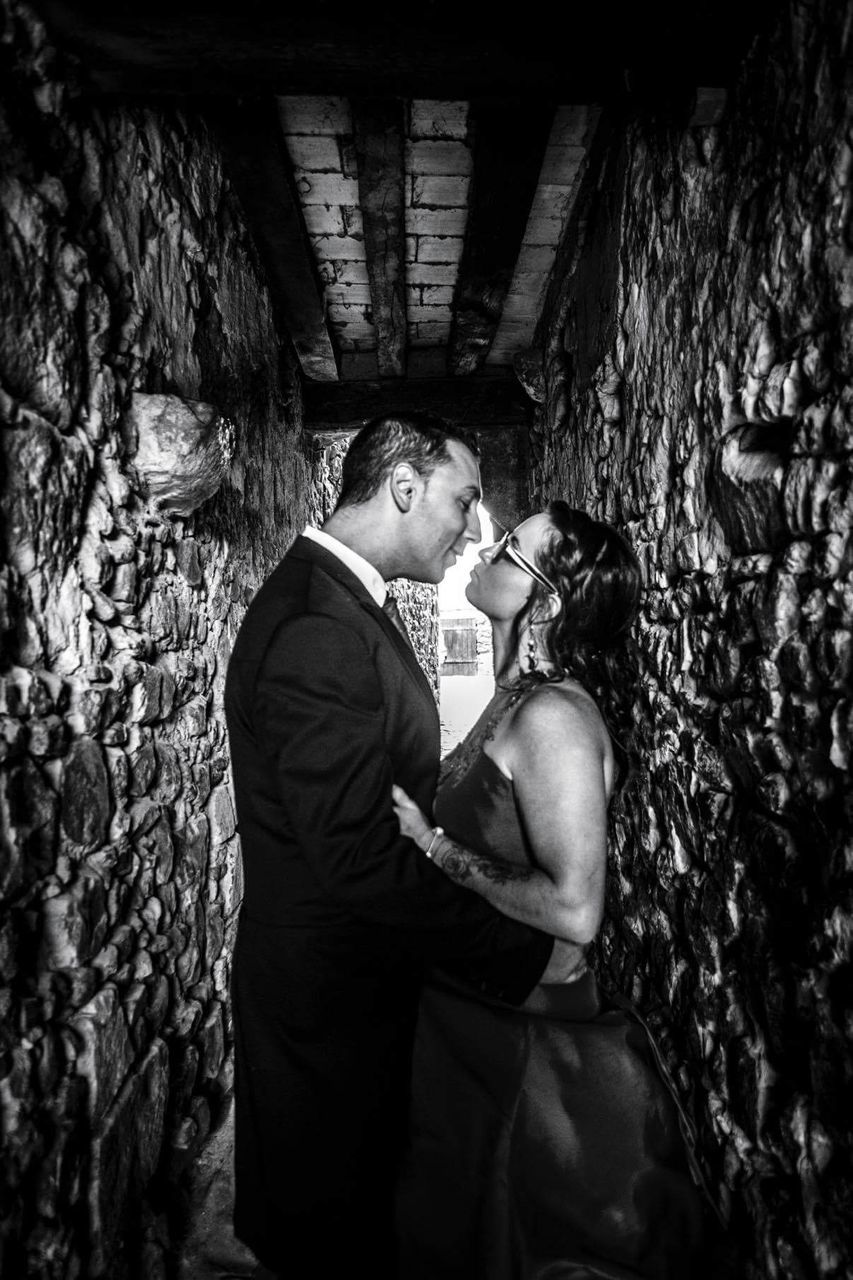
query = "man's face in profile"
x=444 y=517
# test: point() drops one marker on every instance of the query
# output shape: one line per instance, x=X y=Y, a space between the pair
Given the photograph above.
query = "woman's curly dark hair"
x=599 y=581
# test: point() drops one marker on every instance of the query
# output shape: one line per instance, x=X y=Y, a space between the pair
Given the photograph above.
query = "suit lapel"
x=305 y=549
x=404 y=649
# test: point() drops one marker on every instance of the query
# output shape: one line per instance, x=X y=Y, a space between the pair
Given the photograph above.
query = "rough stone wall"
x=715 y=427
x=503 y=473
x=125 y=271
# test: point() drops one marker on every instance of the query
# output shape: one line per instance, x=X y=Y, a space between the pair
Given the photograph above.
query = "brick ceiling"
x=410 y=176
x=437 y=174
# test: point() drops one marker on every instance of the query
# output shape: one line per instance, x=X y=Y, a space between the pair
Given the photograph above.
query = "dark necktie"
x=390 y=609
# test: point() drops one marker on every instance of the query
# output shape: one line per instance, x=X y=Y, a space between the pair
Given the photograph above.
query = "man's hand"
x=566 y=963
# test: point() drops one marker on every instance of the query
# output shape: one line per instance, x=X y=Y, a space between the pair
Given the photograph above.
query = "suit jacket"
x=327 y=706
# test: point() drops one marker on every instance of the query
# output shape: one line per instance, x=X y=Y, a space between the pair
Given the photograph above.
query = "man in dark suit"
x=327 y=707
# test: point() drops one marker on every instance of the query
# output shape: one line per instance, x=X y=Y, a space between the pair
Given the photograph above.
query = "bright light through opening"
x=451 y=590
x=466 y=681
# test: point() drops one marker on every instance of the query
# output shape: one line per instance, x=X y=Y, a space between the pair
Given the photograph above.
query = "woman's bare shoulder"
x=559 y=707
x=557 y=728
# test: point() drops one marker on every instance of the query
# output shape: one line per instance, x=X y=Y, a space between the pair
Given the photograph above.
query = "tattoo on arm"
x=463 y=865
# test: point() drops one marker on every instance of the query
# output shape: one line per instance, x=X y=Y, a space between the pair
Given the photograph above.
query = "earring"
x=532 y=664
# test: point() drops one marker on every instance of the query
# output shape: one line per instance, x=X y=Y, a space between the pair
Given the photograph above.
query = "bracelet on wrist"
x=437 y=833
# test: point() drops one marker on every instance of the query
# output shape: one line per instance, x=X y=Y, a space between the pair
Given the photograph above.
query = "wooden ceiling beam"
x=443 y=49
x=508 y=143
x=495 y=401
x=440 y=50
x=258 y=167
x=379 y=131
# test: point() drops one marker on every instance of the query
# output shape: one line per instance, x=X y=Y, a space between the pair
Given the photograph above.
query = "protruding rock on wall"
x=181 y=450
x=698 y=361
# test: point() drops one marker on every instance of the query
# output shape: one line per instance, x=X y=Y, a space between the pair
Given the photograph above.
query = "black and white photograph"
x=426 y=640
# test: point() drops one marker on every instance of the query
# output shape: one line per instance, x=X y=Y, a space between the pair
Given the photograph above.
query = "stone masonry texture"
x=697 y=354
x=125 y=273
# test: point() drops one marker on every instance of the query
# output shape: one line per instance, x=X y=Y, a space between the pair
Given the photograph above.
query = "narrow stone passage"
x=676 y=358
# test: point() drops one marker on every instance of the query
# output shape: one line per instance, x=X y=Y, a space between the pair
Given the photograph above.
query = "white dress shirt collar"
x=365 y=572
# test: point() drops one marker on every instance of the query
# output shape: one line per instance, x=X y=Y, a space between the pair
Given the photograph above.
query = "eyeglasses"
x=507 y=548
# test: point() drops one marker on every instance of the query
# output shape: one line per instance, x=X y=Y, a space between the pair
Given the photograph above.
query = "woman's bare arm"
x=555 y=752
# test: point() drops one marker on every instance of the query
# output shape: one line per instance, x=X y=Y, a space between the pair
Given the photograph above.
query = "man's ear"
x=403 y=482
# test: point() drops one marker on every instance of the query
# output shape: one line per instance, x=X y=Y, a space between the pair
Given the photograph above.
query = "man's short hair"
x=417 y=438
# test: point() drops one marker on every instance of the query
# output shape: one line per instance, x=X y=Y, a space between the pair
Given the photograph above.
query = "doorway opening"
x=465 y=672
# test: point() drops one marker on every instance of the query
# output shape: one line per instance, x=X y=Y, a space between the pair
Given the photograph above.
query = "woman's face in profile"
x=500 y=586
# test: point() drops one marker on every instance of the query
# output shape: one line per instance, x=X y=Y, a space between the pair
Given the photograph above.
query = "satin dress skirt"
x=544 y=1146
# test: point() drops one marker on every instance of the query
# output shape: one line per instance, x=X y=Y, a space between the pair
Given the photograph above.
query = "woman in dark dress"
x=546 y=1143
